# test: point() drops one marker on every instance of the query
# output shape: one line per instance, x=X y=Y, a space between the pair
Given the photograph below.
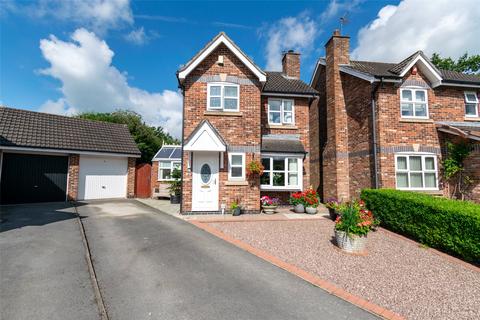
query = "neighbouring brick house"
x=234 y=113
x=167 y=159
x=46 y=157
x=385 y=124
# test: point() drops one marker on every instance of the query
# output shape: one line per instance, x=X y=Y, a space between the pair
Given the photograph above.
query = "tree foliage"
x=465 y=64
x=454 y=170
x=148 y=139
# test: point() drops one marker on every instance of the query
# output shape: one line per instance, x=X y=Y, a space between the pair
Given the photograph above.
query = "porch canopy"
x=468 y=130
x=205 y=138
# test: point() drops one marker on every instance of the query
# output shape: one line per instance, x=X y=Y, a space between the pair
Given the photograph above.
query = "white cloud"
x=447 y=27
x=137 y=36
x=297 y=33
x=91 y=83
x=99 y=15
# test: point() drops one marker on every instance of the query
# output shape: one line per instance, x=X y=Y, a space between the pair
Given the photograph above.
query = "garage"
x=46 y=158
x=30 y=178
x=102 y=177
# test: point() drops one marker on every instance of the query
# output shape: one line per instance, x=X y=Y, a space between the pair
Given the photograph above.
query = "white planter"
x=299 y=208
x=311 y=210
x=350 y=243
x=269 y=209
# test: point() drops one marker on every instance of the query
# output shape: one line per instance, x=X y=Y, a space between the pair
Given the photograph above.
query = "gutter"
x=374 y=129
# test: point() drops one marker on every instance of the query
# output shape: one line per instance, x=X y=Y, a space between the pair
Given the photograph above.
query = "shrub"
x=449 y=225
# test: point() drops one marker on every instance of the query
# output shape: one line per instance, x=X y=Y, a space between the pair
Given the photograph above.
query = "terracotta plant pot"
x=269 y=209
x=311 y=210
x=350 y=243
x=299 y=208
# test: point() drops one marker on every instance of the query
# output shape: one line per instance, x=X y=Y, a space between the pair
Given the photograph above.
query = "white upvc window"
x=414 y=103
x=281 y=111
x=471 y=104
x=282 y=173
x=236 y=166
x=165 y=169
x=223 y=96
x=416 y=171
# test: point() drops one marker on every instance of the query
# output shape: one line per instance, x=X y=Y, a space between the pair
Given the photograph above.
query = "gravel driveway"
x=396 y=274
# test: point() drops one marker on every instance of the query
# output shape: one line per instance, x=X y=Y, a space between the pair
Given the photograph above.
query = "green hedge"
x=449 y=225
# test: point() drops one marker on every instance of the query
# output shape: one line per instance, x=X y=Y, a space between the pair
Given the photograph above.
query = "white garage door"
x=102 y=177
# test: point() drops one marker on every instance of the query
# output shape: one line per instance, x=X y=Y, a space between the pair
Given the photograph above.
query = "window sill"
x=476 y=119
x=223 y=113
x=410 y=120
x=281 y=126
x=236 y=183
x=288 y=189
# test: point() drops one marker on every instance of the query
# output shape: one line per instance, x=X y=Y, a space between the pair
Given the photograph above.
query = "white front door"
x=205 y=181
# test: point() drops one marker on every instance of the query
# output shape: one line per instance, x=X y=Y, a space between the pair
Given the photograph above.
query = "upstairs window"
x=223 y=97
x=280 y=111
x=416 y=171
x=413 y=103
x=471 y=104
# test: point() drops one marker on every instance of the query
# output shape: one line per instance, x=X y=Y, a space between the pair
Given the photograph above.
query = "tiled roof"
x=277 y=82
x=392 y=70
x=281 y=144
x=29 y=129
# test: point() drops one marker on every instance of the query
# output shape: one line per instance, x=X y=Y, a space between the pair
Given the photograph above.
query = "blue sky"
x=68 y=57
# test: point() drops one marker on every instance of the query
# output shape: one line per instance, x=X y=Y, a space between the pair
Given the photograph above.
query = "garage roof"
x=29 y=129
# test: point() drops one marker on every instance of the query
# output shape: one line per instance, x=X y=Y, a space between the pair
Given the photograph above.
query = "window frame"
x=282 y=112
x=423 y=155
x=222 y=97
x=230 y=154
x=476 y=103
x=413 y=102
x=286 y=171
x=160 y=169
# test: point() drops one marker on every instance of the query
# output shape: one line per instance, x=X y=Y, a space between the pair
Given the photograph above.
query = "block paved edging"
x=309 y=277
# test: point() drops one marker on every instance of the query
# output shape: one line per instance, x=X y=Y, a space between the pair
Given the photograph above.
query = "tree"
x=148 y=139
x=465 y=64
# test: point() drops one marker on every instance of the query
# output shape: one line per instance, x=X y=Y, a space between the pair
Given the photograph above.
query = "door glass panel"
x=205 y=173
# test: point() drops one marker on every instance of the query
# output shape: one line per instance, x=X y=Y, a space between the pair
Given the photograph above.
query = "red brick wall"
x=240 y=129
x=301 y=128
x=73 y=171
x=291 y=64
x=131 y=178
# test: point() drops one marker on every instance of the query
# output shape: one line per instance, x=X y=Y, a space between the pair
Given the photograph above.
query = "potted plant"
x=175 y=186
x=352 y=226
x=332 y=205
x=269 y=205
x=297 y=200
x=235 y=207
x=311 y=201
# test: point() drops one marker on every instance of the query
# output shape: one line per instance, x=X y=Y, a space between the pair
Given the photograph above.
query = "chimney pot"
x=336 y=32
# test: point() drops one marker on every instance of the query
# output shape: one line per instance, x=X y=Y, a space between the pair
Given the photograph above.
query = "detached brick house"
x=385 y=125
x=233 y=113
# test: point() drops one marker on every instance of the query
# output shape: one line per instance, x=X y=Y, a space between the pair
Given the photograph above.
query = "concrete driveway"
x=43 y=271
x=150 y=265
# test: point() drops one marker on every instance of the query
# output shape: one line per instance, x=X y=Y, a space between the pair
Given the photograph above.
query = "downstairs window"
x=416 y=171
x=281 y=173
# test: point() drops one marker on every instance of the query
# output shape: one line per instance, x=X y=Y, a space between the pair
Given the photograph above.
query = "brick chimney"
x=291 y=64
x=336 y=164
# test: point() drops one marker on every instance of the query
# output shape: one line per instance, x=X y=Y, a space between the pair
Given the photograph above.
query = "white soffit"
x=426 y=68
